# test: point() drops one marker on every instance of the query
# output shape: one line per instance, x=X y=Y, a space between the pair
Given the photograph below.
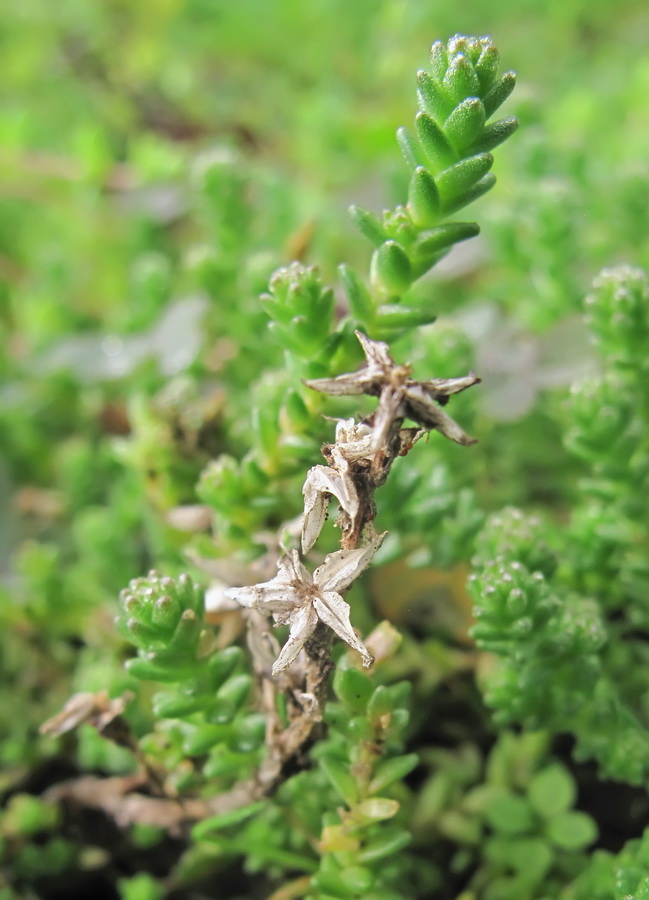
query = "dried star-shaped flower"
x=295 y=597
x=399 y=396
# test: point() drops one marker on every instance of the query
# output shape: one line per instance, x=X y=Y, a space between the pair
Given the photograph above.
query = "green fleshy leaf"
x=465 y=123
x=391 y=269
x=439 y=151
x=444 y=236
x=170 y=705
x=151 y=671
x=438 y=61
x=508 y=813
x=572 y=830
x=433 y=99
x=460 y=81
x=340 y=778
x=473 y=193
x=222 y=664
x=552 y=791
x=498 y=93
x=353 y=688
x=457 y=180
x=384 y=847
x=494 y=134
x=369 y=225
x=375 y=809
x=423 y=198
x=390 y=770
x=205 y=828
x=393 y=316
x=486 y=68
x=236 y=690
x=411 y=150
x=360 y=300
x=381 y=704
x=358 y=879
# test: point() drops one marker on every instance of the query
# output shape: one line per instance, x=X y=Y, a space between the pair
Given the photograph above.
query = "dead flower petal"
x=315 y=513
x=321 y=483
x=350 y=383
x=303 y=623
x=340 y=568
x=444 y=387
x=421 y=409
x=334 y=612
x=290 y=570
x=268 y=597
x=376 y=352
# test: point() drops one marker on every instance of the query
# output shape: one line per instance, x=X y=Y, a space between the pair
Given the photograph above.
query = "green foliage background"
x=158 y=161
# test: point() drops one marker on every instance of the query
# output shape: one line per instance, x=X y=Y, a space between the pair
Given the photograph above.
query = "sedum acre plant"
x=290 y=703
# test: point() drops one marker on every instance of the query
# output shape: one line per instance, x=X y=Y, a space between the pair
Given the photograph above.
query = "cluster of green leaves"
x=511 y=816
x=205 y=729
x=568 y=625
x=206 y=736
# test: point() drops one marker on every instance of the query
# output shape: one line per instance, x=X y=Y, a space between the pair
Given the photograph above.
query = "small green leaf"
x=172 y=705
x=331 y=886
x=222 y=664
x=486 y=68
x=494 y=134
x=236 y=690
x=384 y=847
x=423 y=198
x=531 y=857
x=432 y=98
x=187 y=632
x=455 y=181
x=410 y=148
x=473 y=193
x=353 y=687
x=438 y=61
x=436 y=239
x=360 y=300
x=497 y=94
x=381 y=704
x=390 y=269
x=201 y=738
x=439 y=151
x=205 y=828
x=390 y=770
x=508 y=813
x=368 y=224
x=340 y=778
x=375 y=809
x=572 y=830
x=141 y=887
x=552 y=791
x=465 y=123
x=220 y=711
x=150 y=670
x=391 y=316
x=359 y=729
x=460 y=81
x=358 y=879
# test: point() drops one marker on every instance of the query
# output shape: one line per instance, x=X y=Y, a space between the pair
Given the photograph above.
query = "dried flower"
x=323 y=482
x=399 y=396
x=297 y=598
